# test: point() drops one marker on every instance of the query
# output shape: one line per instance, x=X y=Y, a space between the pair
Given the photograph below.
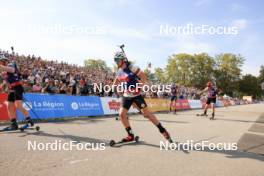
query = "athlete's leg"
x=171 y=104
x=19 y=104
x=175 y=101
x=11 y=110
x=208 y=102
x=147 y=114
x=25 y=113
x=123 y=117
x=20 y=107
x=213 y=107
x=126 y=104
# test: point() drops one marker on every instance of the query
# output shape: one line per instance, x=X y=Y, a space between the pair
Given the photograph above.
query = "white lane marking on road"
x=78 y=161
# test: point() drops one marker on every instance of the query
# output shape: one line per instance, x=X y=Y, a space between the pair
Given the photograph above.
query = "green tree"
x=160 y=75
x=96 y=64
x=179 y=68
x=261 y=74
x=202 y=70
x=150 y=76
x=228 y=72
x=249 y=85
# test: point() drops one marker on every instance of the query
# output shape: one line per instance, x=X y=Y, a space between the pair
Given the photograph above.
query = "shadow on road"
x=165 y=121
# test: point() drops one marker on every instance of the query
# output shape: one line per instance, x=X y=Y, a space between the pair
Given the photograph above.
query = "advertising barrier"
x=3 y=107
x=182 y=105
x=46 y=106
x=219 y=103
x=56 y=106
x=195 y=104
x=155 y=104
x=112 y=105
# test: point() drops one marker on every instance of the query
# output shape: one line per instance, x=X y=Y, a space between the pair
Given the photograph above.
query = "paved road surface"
x=238 y=124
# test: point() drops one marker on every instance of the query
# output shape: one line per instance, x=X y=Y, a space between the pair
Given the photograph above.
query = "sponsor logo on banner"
x=157 y=104
x=195 y=104
x=182 y=104
x=27 y=105
x=57 y=106
x=114 y=105
x=219 y=103
x=74 y=106
x=232 y=102
x=84 y=105
x=226 y=103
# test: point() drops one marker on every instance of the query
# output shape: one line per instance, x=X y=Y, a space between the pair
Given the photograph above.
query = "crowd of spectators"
x=53 y=77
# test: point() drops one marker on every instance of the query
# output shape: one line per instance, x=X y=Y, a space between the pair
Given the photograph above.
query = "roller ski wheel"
x=27 y=126
x=170 y=140
x=37 y=128
x=9 y=128
x=123 y=141
x=205 y=115
x=112 y=143
x=167 y=136
x=212 y=117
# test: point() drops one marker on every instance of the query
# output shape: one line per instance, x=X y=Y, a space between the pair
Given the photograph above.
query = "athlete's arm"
x=116 y=81
x=142 y=76
x=205 y=89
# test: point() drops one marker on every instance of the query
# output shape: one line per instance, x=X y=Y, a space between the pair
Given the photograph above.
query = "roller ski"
x=167 y=136
x=212 y=117
x=12 y=127
x=117 y=118
x=128 y=139
x=205 y=115
x=29 y=125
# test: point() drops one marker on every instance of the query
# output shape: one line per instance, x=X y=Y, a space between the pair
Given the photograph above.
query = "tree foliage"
x=97 y=64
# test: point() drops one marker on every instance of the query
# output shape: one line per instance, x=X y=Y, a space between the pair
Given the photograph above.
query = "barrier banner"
x=155 y=104
x=55 y=106
x=112 y=105
x=226 y=103
x=195 y=104
x=232 y=102
x=3 y=107
x=182 y=104
x=219 y=103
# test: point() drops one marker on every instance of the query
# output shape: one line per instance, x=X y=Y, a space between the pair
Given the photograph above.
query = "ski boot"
x=212 y=117
x=29 y=121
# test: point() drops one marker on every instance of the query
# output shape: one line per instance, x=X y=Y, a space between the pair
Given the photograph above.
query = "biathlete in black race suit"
x=211 y=98
x=11 y=75
x=129 y=75
x=173 y=97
